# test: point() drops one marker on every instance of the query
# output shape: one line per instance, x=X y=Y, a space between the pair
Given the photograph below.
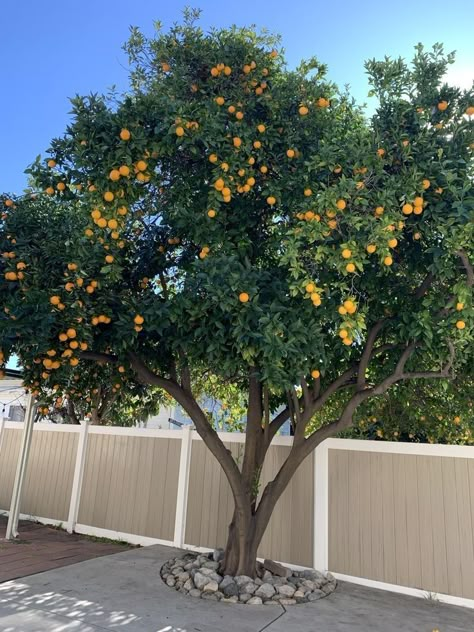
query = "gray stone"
x=258 y=581
x=240 y=580
x=233 y=599
x=330 y=577
x=183 y=577
x=266 y=576
x=188 y=566
x=265 y=591
x=288 y=602
x=206 y=571
x=286 y=591
x=218 y=555
x=176 y=570
x=201 y=580
x=249 y=588
x=314 y=596
x=270 y=602
x=299 y=594
x=276 y=569
x=313 y=575
x=170 y=581
x=195 y=592
x=212 y=565
x=254 y=601
x=328 y=588
x=211 y=586
x=189 y=585
x=307 y=583
x=244 y=597
x=228 y=579
x=230 y=589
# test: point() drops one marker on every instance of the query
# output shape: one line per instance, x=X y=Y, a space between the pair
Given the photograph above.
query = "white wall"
x=11 y=394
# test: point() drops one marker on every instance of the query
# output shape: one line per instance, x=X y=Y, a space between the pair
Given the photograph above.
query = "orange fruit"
x=347 y=341
x=310 y=287
x=108 y=196
x=350 y=306
x=460 y=324
x=290 y=153
x=380 y=152
x=470 y=110
x=379 y=210
x=388 y=260
x=426 y=184
x=271 y=200
x=261 y=128
x=244 y=297
x=219 y=184
x=114 y=175
x=459 y=306
x=237 y=142
x=179 y=131
x=54 y=300
x=307 y=192
x=343 y=333
x=257 y=144
x=239 y=116
x=392 y=243
x=371 y=248
x=102 y=222
x=418 y=201
x=214 y=72
x=122 y=210
x=303 y=110
x=350 y=267
x=263 y=169
x=125 y=134
x=219 y=100
x=346 y=253
x=73 y=344
x=418 y=210
x=138 y=320
x=227 y=70
x=96 y=213
x=51 y=163
x=211 y=212
x=341 y=205
x=124 y=170
x=74 y=361
x=315 y=374
x=109 y=259
x=112 y=223
x=60 y=186
x=442 y=106
x=407 y=209
x=141 y=165
x=62 y=337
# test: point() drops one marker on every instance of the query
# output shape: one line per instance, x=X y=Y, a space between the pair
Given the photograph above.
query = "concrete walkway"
x=124 y=592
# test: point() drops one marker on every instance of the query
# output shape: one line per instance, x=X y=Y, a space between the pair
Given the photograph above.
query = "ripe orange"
x=226 y=192
x=310 y=287
x=271 y=200
x=343 y=333
x=141 y=165
x=350 y=306
x=211 y=212
x=231 y=109
x=74 y=361
x=308 y=192
x=303 y=110
x=350 y=267
x=392 y=243
x=470 y=110
x=239 y=116
x=442 y=106
x=114 y=175
x=341 y=205
x=347 y=341
x=426 y=184
x=219 y=184
x=251 y=181
x=379 y=210
x=257 y=144
x=371 y=248
x=138 y=320
x=346 y=253
x=407 y=209
x=244 y=297
x=112 y=223
x=60 y=186
x=459 y=306
x=388 y=260
x=290 y=153
x=251 y=160
x=460 y=324
x=62 y=337
x=96 y=213
x=316 y=299
x=54 y=300
x=108 y=196
x=418 y=201
x=71 y=332
x=179 y=131
x=122 y=210
x=237 y=143
x=418 y=210
x=109 y=259
x=227 y=70
x=125 y=134
x=263 y=169
x=315 y=374
x=124 y=170
x=51 y=163
x=165 y=66
x=219 y=100
x=102 y=222
x=261 y=128
x=380 y=152
x=73 y=344
x=214 y=72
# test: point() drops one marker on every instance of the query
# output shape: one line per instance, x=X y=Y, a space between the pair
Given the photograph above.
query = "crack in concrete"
x=265 y=627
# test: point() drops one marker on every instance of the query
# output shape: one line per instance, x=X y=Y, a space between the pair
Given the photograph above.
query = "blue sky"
x=51 y=50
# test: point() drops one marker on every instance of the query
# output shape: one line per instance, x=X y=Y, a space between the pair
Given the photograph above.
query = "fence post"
x=183 y=484
x=2 y=426
x=321 y=508
x=78 y=476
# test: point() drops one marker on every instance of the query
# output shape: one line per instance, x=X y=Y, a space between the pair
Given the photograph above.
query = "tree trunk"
x=240 y=555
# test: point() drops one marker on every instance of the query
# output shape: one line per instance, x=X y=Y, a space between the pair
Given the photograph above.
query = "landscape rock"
x=276 y=569
x=265 y=591
x=197 y=575
x=286 y=591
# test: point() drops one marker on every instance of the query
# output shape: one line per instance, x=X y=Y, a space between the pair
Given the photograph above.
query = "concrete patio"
x=124 y=592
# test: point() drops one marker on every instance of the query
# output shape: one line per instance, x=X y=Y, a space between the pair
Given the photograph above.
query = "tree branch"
x=468 y=267
x=367 y=353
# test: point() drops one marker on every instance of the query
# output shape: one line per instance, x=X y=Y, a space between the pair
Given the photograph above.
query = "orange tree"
x=232 y=217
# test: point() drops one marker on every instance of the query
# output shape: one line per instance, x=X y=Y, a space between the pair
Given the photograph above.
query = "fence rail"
x=392 y=515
